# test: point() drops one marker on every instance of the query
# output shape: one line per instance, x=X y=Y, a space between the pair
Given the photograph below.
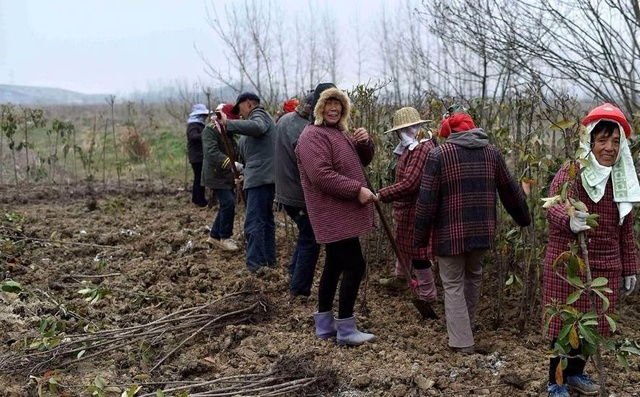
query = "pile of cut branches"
x=248 y=305
x=289 y=376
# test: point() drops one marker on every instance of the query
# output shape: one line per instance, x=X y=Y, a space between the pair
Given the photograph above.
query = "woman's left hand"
x=361 y=135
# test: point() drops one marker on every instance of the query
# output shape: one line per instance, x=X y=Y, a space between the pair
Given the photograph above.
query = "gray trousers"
x=462 y=281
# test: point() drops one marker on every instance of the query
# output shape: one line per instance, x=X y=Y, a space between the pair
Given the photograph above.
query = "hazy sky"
x=112 y=46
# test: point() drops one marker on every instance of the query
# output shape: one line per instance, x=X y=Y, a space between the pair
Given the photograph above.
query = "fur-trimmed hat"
x=333 y=93
x=609 y=112
x=317 y=91
x=456 y=123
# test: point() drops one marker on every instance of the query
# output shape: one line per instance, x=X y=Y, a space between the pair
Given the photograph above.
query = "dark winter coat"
x=194 y=141
x=288 y=186
x=216 y=165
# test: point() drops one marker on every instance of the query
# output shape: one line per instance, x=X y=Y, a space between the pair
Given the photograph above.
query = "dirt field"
x=147 y=247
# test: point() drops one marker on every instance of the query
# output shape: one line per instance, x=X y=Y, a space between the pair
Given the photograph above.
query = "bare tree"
x=260 y=52
x=390 y=54
x=332 y=48
x=477 y=65
x=592 y=46
x=178 y=104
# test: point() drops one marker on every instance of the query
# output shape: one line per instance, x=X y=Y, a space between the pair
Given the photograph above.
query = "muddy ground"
x=143 y=251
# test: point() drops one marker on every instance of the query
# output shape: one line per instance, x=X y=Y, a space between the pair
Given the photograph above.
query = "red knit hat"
x=290 y=105
x=457 y=122
x=608 y=112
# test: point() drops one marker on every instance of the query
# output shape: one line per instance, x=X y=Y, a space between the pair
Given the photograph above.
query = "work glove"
x=239 y=167
x=578 y=221
x=629 y=284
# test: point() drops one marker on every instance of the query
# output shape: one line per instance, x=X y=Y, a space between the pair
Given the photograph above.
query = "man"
x=256 y=147
x=290 y=195
x=457 y=207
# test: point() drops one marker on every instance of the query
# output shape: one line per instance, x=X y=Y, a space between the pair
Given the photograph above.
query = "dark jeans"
x=197 y=192
x=303 y=262
x=223 y=224
x=260 y=228
x=575 y=365
x=342 y=257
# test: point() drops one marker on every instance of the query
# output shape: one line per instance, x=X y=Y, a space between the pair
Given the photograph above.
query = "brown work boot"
x=425 y=309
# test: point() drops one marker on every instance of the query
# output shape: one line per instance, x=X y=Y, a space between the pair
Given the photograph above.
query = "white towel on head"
x=626 y=189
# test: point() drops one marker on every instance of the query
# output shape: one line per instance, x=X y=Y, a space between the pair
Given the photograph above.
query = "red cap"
x=609 y=112
x=456 y=123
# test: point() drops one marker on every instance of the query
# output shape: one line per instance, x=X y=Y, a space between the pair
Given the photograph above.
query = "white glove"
x=239 y=167
x=578 y=222
x=629 y=284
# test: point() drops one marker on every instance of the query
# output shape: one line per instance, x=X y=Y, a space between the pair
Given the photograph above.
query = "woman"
x=412 y=151
x=217 y=175
x=611 y=245
x=340 y=208
x=456 y=215
x=195 y=124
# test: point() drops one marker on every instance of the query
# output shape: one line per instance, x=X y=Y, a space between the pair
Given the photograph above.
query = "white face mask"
x=407 y=139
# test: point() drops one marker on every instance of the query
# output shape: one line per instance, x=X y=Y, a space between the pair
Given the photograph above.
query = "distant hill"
x=29 y=95
x=26 y=95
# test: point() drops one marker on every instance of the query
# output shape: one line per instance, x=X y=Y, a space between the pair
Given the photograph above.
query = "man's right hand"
x=366 y=196
x=239 y=181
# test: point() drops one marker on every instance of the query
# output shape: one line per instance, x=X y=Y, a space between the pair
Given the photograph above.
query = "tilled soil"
x=145 y=248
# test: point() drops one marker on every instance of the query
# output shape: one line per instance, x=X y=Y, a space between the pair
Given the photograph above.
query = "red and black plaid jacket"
x=404 y=194
x=457 y=201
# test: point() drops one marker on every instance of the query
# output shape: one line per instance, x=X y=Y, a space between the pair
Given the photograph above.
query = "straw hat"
x=406 y=117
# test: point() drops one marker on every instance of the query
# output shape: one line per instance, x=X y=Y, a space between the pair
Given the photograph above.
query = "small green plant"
x=50 y=382
x=93 y=294
x=9 y=127
x=624 y=349
x=14 y=217
x=50 y=331
x=579 y=329
x=11 y=286
x=86 y=155
x=100 y=388
x=101 y=262
x=115 y=205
